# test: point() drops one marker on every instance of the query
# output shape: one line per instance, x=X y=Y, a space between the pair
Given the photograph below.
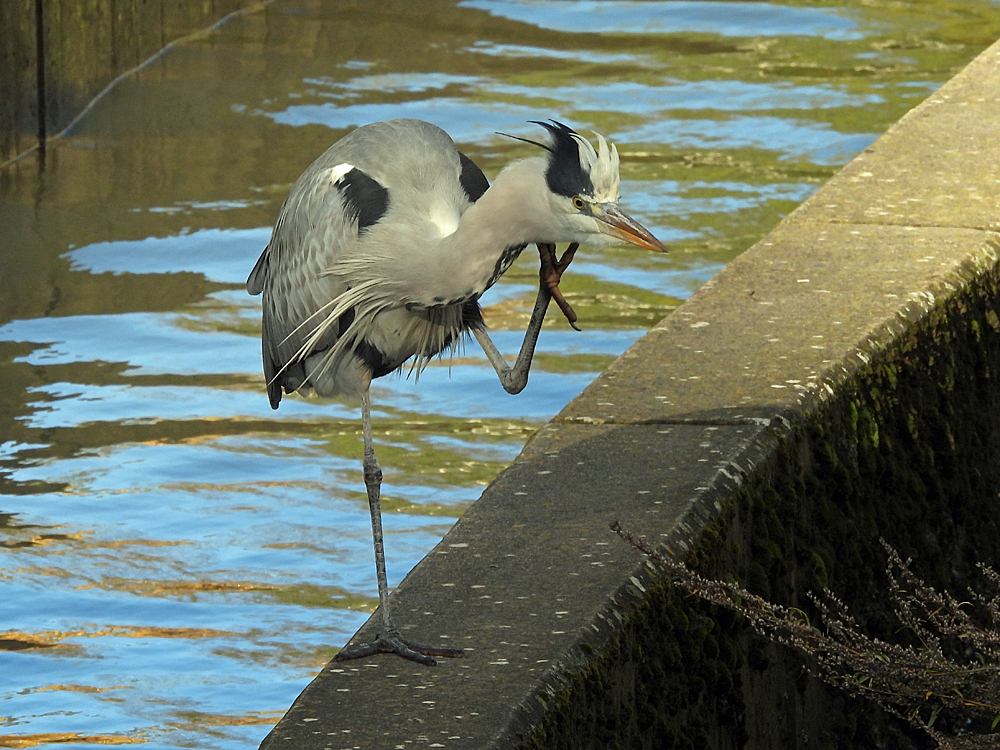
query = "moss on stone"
x=906 y=449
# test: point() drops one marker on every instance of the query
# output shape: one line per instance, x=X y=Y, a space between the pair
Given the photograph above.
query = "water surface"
x=177 y=560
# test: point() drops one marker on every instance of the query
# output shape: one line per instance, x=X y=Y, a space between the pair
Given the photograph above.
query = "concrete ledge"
x=837 y=382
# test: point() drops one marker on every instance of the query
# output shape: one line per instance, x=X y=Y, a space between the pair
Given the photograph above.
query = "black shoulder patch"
x=364 y=198
x=565 y=176
x=473 y=180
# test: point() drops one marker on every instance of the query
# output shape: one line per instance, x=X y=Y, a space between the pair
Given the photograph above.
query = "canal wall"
x=837 y=382
x=56 y=56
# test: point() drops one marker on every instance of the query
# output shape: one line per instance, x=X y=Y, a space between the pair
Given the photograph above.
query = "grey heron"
x=381 y=252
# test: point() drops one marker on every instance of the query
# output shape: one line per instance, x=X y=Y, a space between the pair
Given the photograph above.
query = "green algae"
x=906 y=449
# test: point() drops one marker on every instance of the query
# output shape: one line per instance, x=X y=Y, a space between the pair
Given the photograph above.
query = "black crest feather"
x=565 y=175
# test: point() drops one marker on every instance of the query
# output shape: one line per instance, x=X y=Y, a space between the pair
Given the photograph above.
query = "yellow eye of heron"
x=578 y=202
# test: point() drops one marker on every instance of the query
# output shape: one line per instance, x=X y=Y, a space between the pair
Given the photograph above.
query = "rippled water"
x=177 y=560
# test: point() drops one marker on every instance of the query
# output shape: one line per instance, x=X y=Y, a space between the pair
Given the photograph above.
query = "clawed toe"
x=385 y=644
x=551 y=272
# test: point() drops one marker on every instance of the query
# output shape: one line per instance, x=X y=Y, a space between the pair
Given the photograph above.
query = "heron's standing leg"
x=389 y=640
x=513 y=379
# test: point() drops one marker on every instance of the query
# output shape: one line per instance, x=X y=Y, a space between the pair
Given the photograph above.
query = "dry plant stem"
x=913 y=682
x=551 y=272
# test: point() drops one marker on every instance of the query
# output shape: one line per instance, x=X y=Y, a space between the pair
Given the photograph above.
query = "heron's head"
x=584 y=189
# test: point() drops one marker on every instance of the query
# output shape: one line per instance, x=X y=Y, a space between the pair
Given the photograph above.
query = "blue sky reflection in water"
x=734 y=19
x=178 y=559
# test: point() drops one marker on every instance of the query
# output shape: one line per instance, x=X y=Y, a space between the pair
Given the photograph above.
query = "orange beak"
x=618 y=224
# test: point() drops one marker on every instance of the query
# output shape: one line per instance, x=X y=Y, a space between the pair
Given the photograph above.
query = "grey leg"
x=513 y=379
x=389 y=640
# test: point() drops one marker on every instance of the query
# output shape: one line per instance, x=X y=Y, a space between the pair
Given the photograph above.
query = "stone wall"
x=57 y=55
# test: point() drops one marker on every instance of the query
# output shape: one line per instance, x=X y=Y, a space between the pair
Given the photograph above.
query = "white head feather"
x=602 y=165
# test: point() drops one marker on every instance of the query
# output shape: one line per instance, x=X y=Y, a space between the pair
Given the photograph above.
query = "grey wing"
x=325 y=211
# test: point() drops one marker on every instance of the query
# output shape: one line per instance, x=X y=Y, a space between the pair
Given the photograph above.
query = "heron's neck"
x=510 y=213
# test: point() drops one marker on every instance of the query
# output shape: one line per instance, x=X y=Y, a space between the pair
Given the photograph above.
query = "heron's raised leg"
x=513 y=379
x=389 y=641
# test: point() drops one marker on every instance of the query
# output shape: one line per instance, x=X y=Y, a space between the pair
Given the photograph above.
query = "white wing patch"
x=337 y=173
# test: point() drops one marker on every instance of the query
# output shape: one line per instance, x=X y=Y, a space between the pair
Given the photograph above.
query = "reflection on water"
x=735 y=19
x=177 y=560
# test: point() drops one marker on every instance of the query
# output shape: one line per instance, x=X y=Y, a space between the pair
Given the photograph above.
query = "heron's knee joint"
x=373 y=475
x=513 y=387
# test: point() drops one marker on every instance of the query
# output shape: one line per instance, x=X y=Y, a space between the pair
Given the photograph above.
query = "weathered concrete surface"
x=783 y=323
x=838 y=382
x=86 y=44
x=525 y=584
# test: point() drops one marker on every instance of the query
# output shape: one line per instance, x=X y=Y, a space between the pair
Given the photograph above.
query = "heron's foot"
x=551 y=272
x=386 y=644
